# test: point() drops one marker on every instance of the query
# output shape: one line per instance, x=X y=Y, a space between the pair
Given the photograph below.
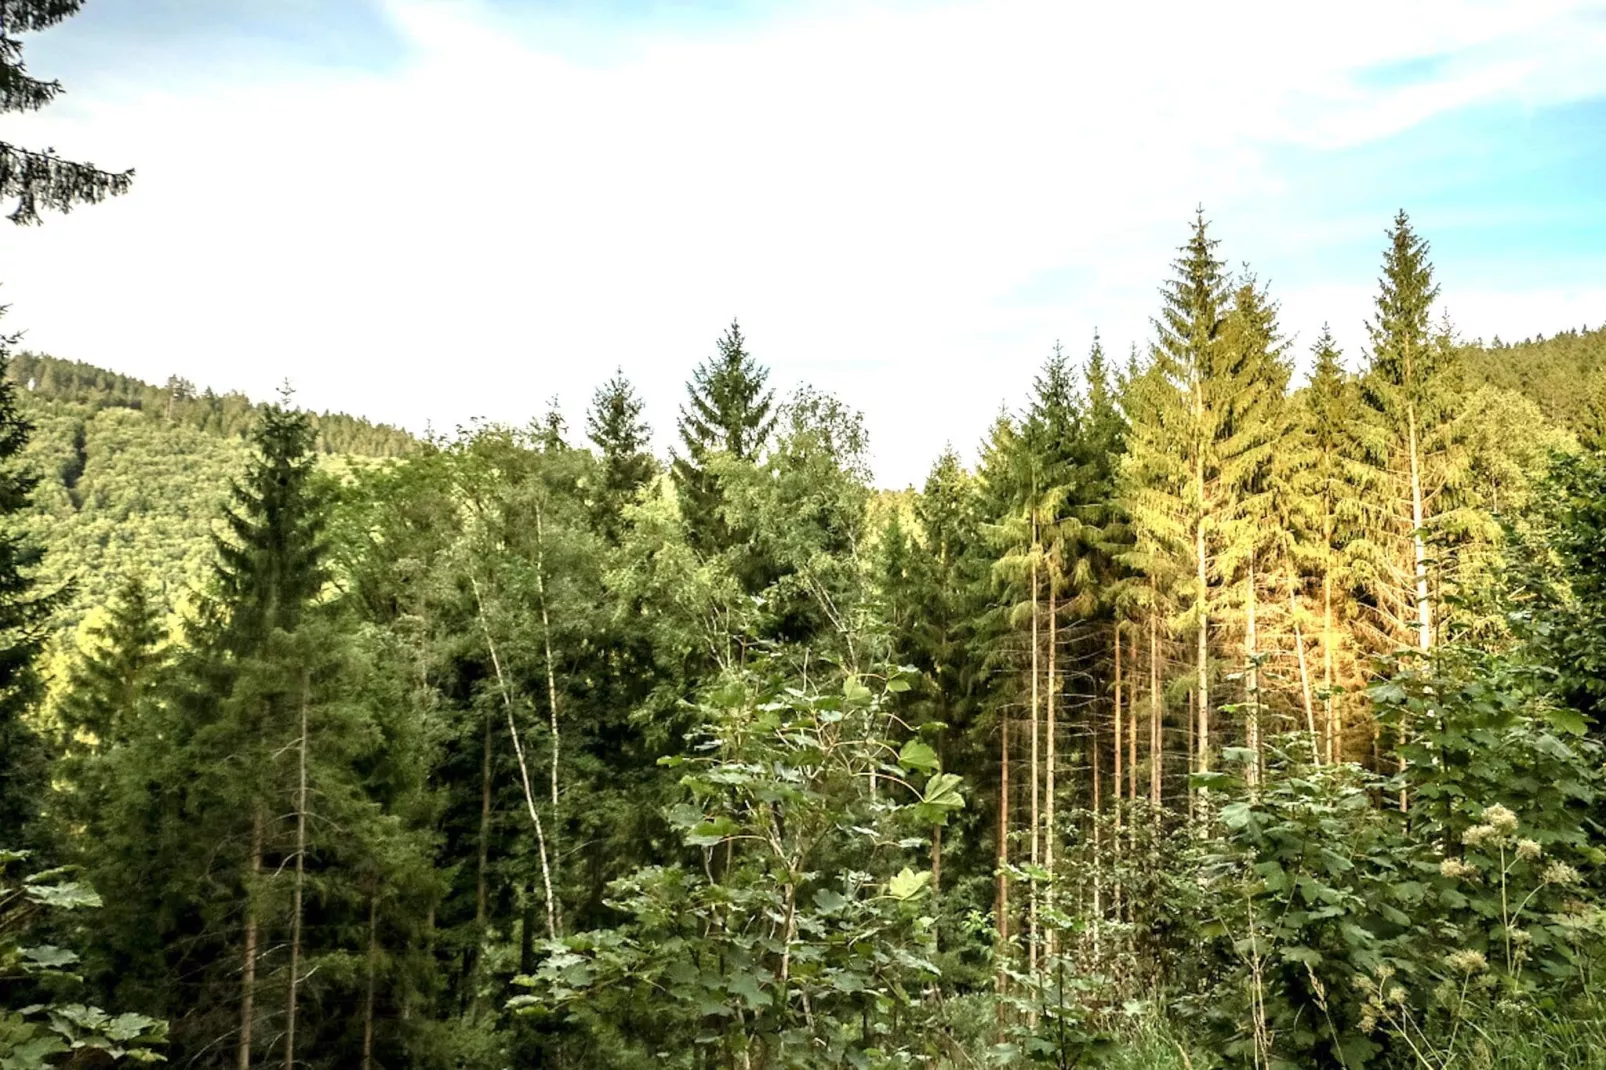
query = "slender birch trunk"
x=524 y=768
x=551 y=676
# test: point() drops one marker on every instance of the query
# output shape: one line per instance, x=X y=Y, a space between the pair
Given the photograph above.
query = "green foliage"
x=38 y=1026
x=795 y=938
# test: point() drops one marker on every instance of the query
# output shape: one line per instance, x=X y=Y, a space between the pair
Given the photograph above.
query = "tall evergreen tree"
x=121 y=661
x=1173 y=465
x=24 y=613
x=1409 y=392
x=728 y=410
x=1255 y=428
x=615 y=426
x=1324 y=483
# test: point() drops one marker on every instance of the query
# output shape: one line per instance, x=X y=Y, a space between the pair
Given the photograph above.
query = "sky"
x=430 y=211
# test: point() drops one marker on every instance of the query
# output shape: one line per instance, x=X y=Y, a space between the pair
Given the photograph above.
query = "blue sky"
x=426 y=211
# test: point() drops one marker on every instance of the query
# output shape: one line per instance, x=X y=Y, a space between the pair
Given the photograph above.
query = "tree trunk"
x=524 y=768
x=1202 y=578
x=1327 y=666
x=1001 y=892
x=551 y=676
x=1251 y=680
x=1036 y=769
x=1202 y=656
x=300 y=883
x=1050 y=831
x=1116 y=718
x=1156 y=743
x=1115 y=792
x=248 y=967
x=1304 y=676
x=373 y=979
x=1424 y=609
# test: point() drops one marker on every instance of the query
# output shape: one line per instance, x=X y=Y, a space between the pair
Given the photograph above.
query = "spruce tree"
x=1324 y=485
x=24 y=614
x=1409 y=391
x=122 y=659
x=41 y=179
x=728 y=410
x=1172 y=471
x=616 y=427
x=120 y=664
x=1255 y=429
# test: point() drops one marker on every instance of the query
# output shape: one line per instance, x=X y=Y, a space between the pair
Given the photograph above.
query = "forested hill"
x=178 y=403
x=133 y=474
x=1565 y=375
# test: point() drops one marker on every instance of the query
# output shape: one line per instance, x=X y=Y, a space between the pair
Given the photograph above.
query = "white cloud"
x=878 y=192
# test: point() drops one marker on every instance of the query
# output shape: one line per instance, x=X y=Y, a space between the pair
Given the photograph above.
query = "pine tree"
x=728 y=410
x=24 y=614
x=1323 y=487
x=41 y=180
x=1172 y=471
x=615 y=426
x=122 y=660
x=1409 y=394
x=1254 y=430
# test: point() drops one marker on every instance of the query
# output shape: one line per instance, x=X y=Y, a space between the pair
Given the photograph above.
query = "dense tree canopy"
x=1236 y=707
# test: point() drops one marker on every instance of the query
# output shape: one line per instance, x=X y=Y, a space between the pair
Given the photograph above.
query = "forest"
x=1240 y=705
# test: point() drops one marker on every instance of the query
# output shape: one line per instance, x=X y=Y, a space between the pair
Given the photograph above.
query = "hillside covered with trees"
x=132 y=475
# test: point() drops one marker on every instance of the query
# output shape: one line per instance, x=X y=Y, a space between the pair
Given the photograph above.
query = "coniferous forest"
x=1218 y=715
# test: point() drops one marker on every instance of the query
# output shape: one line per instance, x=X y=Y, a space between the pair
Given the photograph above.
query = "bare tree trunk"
x=1001 y=892
x=373 y=976
x=1116 y=718
x=1156 y=744
x=1202 y=655
x=294 y=986
x=1424 y=608
x=1131 y=725
x=1304 y=675
x=1202 y=578
x=524 y=768
x=1051 y=831
x=1252 y=679
x=1115 y=793
x=1036 y=769
x=1098 y=832
x=481 y=891
x=248 y=967
x=1327 y=666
